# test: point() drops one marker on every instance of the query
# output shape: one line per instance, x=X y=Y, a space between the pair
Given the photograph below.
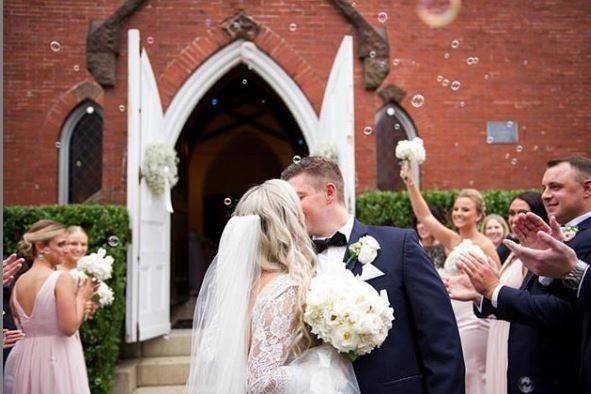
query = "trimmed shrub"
x=393 y=208
x=101 y=335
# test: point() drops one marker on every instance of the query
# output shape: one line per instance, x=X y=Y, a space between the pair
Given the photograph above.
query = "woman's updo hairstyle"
x=42 y=231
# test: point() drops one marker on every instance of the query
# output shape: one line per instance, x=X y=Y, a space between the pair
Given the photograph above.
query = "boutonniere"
x=365 y=251
x=569 y=232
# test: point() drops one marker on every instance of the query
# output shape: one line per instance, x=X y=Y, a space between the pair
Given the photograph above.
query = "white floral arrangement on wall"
x=159 y=169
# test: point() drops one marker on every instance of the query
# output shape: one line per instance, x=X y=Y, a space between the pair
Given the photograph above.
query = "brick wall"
x=532 y=69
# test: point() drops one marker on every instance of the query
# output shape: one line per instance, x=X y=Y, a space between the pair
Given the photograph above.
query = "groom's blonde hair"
x=285 y=245
x=321 y=170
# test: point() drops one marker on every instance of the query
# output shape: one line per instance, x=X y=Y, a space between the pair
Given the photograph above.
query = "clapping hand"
x=10 y=267
x=481 y=272
x=527 y=226
x=460 y=288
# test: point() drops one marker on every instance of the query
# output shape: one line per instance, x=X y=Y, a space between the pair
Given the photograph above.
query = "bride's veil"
x=221 y=323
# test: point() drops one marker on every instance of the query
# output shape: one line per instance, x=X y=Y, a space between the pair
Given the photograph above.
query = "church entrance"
x=240 y=134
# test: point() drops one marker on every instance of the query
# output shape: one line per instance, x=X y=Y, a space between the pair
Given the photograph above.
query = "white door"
x=149 y=279
x=337 y=116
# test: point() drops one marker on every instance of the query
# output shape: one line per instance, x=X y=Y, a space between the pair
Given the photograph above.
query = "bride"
x=249 y=335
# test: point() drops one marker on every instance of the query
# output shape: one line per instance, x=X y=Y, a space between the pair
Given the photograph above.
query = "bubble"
x=490 y=140
x=456 y=144
x=462 y=104
x=76 y=67
x=471 y=182
x=514 y=161
x=78 y=163
x=418 y=100
x=455 y=85
x=455 y=44
x=446 y=55
x=354 y=4
x=367 y=130
x=113 y=241
x=445 y=82
x=536 y=147
x=486 y=76
x=58 y=144
x=150 y=40
x=507 y=156
x=208 y=22
x=372 y=54
x=434 y=16
x=509 y=124
x=263 y=101
x=397 y=126
x=543 y=132
x=36 y=186
x=227 y=201
x=470 y=60
x=525 y=384
x=89 y=110
x=382 y=17
x=475 y=59
x=293 y=27
x=296 y=159
x=519 y=148
x=439 y=78
x=395 y=62
x=214 y=101
x=390 y=111
x=525 y=62
x=244 y=81
x=122 y=108
x=55 y=46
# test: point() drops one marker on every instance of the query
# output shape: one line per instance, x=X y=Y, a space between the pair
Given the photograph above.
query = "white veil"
x=219 y=352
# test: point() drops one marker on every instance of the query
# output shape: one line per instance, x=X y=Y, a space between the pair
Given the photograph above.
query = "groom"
x=422 y=353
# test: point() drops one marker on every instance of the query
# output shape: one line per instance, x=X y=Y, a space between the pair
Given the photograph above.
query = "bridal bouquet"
x=347 y=313
x=412 y=151
x=463 y=247
x=97 y=266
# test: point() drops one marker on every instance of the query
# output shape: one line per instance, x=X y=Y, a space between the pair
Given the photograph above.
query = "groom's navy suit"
x=422 y=353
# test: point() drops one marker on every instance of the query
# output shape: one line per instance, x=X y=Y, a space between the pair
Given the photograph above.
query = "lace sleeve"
x=273 y=328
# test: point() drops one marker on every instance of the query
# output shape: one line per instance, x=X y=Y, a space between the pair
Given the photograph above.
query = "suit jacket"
x=548 y=330
x=422 y=352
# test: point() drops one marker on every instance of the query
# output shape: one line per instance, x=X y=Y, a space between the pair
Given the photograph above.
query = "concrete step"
x=163 y=371
x=177 y=343
x=125 y=377
x=161 y=390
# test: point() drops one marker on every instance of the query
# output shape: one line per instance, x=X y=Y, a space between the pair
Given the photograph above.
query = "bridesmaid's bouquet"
x=97 y=266
x=346 y=312
x=412 y=151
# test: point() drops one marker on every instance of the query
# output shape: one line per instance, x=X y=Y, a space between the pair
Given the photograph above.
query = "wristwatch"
x=573 y=278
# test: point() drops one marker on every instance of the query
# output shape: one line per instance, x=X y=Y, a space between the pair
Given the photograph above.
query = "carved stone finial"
x=373 y=46
x=103 y=43
x=241 y=26
x=391 y=94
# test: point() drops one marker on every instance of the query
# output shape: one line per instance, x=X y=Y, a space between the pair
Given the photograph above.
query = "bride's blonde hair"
x=285 y=244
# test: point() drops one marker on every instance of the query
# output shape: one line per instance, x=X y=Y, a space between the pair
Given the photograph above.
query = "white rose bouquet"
x=412 y=151
x=347 y=313
x=97 y=265
x=104 y=295
x=463 y=247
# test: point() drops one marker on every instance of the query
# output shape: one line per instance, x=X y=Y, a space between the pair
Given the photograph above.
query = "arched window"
x=81 y=154
x=393 y=124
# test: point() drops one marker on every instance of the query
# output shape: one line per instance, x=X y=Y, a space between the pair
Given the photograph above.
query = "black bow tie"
x=338 y=239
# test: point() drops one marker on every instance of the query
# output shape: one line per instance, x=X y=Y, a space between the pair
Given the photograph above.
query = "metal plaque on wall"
x=506 y=132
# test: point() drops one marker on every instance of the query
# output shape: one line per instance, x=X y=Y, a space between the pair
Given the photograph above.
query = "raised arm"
x=272 y=334
x=448 y=238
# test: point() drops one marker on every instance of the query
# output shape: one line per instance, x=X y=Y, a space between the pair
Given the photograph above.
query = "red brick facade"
x=533 y=69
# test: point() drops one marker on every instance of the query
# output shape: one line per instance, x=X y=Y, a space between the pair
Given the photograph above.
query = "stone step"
x=177 y=343
x=160 y=390
x=125 y=377
x=163 y=371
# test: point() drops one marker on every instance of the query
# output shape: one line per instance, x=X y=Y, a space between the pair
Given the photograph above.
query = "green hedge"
x=101 y=335
x=393 y=208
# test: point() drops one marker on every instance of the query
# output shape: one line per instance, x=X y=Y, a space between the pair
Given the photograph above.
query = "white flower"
x=78 y=276
x=104 y=295
x=365 y=250
x=326 y=150
x=569 y=232
x=463 y=247
x=346 y=312
x=412 y=151
x=97 y=265
x=159 y=166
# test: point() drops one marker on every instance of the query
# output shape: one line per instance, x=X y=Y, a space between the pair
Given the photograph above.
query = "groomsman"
x=422 y=352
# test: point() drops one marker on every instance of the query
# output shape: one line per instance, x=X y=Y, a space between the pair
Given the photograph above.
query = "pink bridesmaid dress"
x=45 y=361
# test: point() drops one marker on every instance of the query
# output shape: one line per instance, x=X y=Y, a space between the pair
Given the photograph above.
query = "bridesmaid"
x=49 y=309
x=468 y=211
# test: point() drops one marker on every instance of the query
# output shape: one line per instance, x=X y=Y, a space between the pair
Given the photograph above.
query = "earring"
x=40 y=255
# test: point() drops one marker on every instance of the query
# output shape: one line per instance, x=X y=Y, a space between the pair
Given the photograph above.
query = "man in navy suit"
x=545 y=338
x=422 y=352
x=567 y=196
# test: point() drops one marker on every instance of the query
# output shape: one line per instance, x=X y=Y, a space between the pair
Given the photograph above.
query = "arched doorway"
x=240 y=134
